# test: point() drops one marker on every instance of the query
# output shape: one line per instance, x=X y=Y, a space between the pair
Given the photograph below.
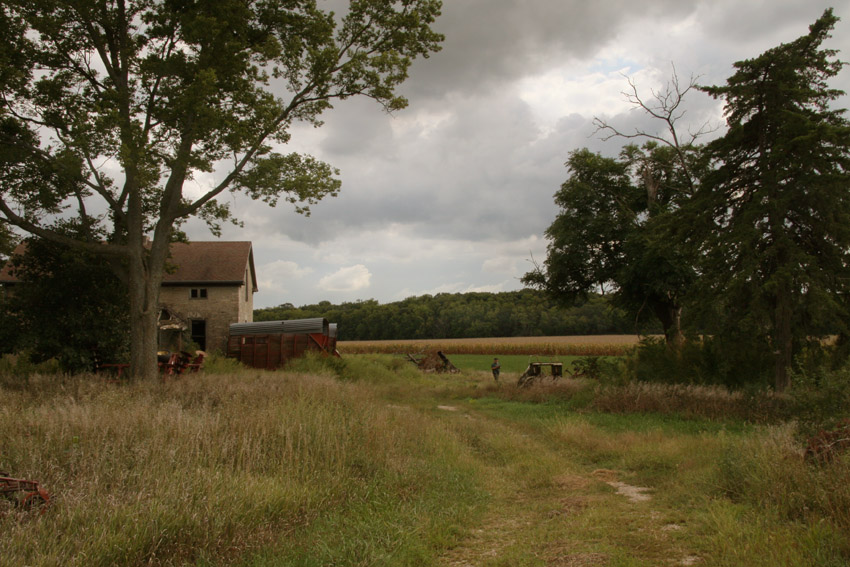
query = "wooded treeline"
x=524 y=313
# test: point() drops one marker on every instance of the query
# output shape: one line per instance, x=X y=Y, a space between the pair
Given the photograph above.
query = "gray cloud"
x=454 y=192
x=492 y=42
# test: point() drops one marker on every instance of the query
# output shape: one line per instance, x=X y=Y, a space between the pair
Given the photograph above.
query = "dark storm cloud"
x=490 y=42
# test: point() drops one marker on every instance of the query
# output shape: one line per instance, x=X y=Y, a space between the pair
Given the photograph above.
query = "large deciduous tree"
x=777 y=203
x=7 y=242
x=615 y=229
x=108 y=108
x=610 y=234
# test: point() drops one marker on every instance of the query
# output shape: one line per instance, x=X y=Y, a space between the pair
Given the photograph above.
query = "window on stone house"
x=198 y=293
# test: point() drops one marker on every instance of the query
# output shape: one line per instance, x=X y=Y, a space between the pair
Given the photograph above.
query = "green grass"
x=512 y=364
x=367 y=461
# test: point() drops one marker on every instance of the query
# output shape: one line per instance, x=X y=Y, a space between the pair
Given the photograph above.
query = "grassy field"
x=512 y=364
x=589 y=345
x=366 y=461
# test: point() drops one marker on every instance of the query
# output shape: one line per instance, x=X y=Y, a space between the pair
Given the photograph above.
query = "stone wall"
x=221 y=306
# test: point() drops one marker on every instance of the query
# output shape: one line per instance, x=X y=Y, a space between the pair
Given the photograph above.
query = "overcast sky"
x=453 y=194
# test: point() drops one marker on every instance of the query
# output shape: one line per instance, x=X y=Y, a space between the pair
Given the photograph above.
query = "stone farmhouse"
x=206 y=287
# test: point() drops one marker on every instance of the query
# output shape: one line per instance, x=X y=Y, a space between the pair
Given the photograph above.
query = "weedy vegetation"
x=366 y=460
x=236 y=468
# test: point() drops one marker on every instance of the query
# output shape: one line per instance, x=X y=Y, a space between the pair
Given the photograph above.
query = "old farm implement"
x=25 y=494
x=535 y=372
x=170 y=364
x=433 y=362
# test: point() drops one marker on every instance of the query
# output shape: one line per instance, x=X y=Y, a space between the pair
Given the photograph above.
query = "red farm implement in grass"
x=170 y=364
x=25 y=494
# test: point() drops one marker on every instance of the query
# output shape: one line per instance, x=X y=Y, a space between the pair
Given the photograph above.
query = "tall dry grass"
x=217 y=469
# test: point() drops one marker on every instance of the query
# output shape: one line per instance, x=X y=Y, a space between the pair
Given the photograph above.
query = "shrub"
x=767 y=470
x=317 y=363
x=217 y=363
x=820 y=398
x=18 y=367
x=710 y=360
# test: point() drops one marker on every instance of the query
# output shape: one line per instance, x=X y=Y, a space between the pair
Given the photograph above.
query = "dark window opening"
x=199 y=333
x=199 y=293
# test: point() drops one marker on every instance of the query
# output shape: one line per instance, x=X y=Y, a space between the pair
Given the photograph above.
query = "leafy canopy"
x=134 y=115
x=125 y=100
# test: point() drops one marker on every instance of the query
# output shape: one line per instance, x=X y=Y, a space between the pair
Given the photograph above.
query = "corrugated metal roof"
x=332 y=330
x=292 y=326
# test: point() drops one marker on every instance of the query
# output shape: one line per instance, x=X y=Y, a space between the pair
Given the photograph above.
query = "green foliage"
x=117 y=106
x=767 y=472
x=19 y=367
x=317 y=363
x=373 y=369
x=747 y=236
x=772 y=218
x=216 y=363
x=8 y=241
x=610 y=232
x=68 y=306
x=710 y=360
x=820 y=398
x=525 y=313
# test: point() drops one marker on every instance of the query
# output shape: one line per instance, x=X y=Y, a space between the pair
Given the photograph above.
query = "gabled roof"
x=208 y=263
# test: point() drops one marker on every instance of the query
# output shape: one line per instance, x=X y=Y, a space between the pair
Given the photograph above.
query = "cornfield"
x=590 y=345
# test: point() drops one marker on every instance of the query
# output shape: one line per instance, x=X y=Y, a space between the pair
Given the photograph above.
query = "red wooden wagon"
x=270 y=344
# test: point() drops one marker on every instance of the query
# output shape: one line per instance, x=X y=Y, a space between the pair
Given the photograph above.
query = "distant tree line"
x=524 y=313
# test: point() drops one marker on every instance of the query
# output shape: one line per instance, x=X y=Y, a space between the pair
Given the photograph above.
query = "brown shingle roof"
x=192 y=263
x=210 y=262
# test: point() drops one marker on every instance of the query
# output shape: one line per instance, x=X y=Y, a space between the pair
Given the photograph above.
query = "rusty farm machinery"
x=23 y=494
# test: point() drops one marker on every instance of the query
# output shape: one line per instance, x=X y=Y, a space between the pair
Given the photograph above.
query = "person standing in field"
x=496 y=367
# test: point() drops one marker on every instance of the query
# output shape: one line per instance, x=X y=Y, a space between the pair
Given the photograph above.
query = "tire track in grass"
x=545 y=510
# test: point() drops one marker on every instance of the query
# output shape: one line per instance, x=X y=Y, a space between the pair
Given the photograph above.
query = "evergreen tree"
x=775 y=211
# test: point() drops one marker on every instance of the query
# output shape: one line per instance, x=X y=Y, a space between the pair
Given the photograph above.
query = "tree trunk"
x=144 y=299
x=783 y=338
x=670 y=316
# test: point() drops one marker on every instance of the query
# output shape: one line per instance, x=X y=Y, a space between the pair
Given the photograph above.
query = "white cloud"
x=351 y=278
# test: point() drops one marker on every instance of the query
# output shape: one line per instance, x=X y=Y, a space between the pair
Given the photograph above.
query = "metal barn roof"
x=292 y=326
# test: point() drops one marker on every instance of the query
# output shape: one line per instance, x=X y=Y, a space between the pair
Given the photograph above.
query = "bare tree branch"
x=666 y=106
